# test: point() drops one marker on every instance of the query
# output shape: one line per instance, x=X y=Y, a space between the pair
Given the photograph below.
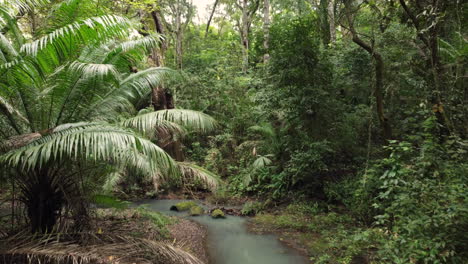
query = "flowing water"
x=229 y=242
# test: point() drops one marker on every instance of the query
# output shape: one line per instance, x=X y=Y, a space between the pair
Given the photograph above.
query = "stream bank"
x=230 y=242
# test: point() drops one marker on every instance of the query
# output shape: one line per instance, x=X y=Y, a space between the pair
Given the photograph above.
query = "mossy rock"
x=217 y=213
x=183 y=206
x=196 y=210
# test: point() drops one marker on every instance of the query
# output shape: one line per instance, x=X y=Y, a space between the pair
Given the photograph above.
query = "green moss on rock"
x=183 y=206
x=217 y=213
x=196 y=210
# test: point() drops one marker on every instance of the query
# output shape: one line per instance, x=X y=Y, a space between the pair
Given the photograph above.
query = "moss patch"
x=183 y=206
x=196 y=210
x=217 y=213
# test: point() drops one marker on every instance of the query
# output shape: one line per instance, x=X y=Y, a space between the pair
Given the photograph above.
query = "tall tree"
x=349 y=13
x=248 y=9
x=266 y=29
x=211 y=17
x=427 y=17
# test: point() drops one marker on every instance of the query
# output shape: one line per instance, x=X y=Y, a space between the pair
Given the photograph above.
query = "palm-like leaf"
x=192 y=172
x=23 y=4
x=261 y=162
x=190 y=119
x=85 y=31
x=95 y=142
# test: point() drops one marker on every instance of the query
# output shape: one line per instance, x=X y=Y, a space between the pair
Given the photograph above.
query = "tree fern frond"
x=23 y=4
x=148 y=42
x=7 y=48
x=266 y=130
x=112 y=180
x=192 y=172
x=91 y=70
x=86 y=31
x=100 y=142
x=130 y=90
x=261 y=162
x=152 y=127
x=11 y=109
x=187 y=118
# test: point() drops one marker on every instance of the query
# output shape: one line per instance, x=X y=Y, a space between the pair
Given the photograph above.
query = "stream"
x=229 y=242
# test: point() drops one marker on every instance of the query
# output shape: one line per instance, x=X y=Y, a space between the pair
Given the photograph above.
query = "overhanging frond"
x=94 y=143
x=152 y=127
x=23 y=4
x=188 y=118
x=192 y=172
x=92 y=70
x=86 y=31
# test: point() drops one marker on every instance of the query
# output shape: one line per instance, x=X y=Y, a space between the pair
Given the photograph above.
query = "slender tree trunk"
x=331 y=20
x=431 y=49
x=161 y=98
x=379 y=69
x=179 y=37
x=266 y=30
x=211 y=17
x=245 y=35
x=378 y=89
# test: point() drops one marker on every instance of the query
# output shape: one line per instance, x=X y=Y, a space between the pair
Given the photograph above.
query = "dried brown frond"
x=90 y=248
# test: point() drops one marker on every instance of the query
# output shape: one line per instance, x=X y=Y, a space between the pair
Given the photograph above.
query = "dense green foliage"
x=359 y=112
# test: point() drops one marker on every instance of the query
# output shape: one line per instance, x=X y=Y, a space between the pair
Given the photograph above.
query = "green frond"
x=23 y=4
x=191 y=172
x=261 y=162
x=138 y=84
x=85 y=31
x=152 y=127
x=187 y=118
x=266 y=130
x=147 y=43
x=10 y=109
x=112 y=180
x=92 y=70
x=7 y=49
x=130 y=91
x=95 y=143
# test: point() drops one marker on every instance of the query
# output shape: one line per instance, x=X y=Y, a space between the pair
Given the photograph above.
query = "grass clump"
x=108 y=201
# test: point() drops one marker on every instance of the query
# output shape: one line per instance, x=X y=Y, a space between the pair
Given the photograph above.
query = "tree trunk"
x=245 y=36
x=266 y=30
x=379 y=69
x=179 y=38
x=211 y=17
x=431 y=50
x=331 y=20
x=159 y=53
x=378 y=90
x=43 y=202
x=159 y=98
